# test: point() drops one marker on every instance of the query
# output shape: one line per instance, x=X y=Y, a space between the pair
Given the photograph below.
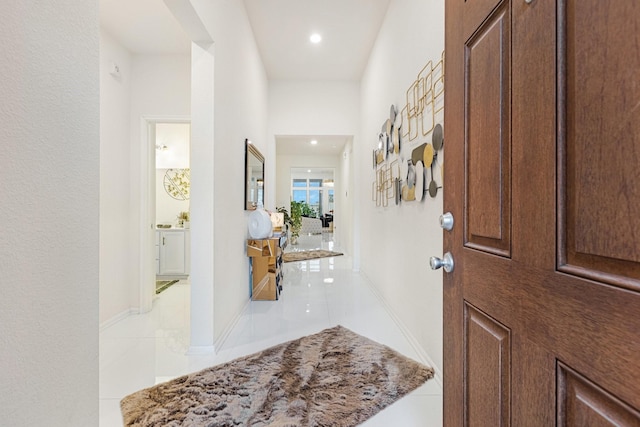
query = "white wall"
x=175 y=140
x=49 y=128
x=344 y=216
x=202 y=197
x=406 y=236
x=116 y=270
x=240 y=94
x=314 y=108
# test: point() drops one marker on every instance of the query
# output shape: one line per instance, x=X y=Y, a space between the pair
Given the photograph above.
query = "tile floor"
x=143 y=350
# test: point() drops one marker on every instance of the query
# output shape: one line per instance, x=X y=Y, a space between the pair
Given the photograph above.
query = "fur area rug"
x=306 y=255
x=332 y=378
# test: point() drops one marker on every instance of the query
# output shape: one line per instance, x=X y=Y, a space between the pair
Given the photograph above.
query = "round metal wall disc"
x=437 y=137
x=433 y=189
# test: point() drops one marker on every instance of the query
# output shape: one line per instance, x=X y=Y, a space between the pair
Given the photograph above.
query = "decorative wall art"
x=384 y=188
x=409 y=141
x=177 y=183
x=424 y=99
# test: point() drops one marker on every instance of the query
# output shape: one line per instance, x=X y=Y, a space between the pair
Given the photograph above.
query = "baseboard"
x=218 y=343
x=422 y=354
x=201 y=350
x=118 y=317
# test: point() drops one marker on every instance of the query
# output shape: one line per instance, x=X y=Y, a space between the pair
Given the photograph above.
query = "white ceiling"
x=301 y=145
x=144 y=26
x=281 y=28
x=348 y=29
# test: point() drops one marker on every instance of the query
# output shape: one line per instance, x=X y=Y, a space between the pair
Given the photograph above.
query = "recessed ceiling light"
x=314 y=142
x=315 y=38
x=308 y=170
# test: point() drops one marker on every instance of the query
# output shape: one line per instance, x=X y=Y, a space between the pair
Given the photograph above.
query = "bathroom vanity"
x=173 y=254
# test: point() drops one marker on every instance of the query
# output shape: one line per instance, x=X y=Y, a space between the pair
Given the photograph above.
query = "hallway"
x=143 y=350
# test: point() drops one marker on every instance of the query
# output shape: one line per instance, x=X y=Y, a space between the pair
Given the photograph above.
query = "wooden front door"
x=542 y=175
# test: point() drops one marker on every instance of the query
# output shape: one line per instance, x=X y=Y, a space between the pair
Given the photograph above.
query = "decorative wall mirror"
x=254 y=176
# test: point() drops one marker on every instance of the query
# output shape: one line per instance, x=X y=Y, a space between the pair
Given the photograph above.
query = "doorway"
x=318 y=169
x=173 y=192
x=164 y=242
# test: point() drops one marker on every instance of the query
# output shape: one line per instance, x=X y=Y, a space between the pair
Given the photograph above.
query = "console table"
x=266 y=267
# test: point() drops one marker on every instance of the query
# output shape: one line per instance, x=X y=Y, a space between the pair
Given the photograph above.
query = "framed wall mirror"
x=254 y=176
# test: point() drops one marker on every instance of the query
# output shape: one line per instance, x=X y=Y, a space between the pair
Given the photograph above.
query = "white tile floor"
x=143 y=350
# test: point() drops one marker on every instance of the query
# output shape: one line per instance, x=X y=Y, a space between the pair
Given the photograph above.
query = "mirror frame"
x=250 y=151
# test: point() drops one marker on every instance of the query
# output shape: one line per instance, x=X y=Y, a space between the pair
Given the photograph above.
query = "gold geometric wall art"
x=404 y=165
x=424 y=99
x=384 y=188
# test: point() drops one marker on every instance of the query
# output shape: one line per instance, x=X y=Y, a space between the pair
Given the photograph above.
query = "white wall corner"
x=422 y=353
x=219 y=342
x=189 y=19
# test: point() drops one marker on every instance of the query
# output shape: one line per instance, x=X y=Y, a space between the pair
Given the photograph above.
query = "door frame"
x=146 y=245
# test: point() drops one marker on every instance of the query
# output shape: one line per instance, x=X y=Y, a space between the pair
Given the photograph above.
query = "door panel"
x=476 y=11
x=488 y=129
x=591 y=327
x=601 y=139
x=582 y=403
x=487 y=365
x=546 y=94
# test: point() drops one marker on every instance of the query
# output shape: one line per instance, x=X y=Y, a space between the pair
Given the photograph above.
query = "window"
x=308 y=191
x=331 y=199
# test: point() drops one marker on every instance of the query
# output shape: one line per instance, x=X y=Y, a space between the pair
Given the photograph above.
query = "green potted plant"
x=308 y=211
x=293 y=221
x=285 y=213
x=296 y=220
